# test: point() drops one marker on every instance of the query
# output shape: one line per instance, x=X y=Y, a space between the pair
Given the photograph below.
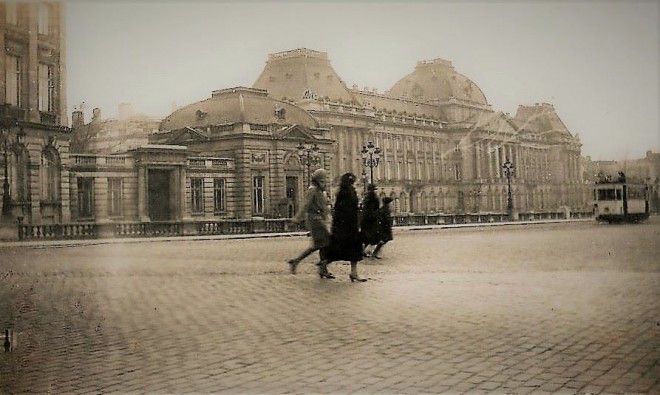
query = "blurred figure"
x=369 y=228
x=345 y=243
x=385 y=226
x=314 y=212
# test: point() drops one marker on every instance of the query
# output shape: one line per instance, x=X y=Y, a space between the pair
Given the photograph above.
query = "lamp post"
x=370 y=158
x=308 y=156
x=508 y=168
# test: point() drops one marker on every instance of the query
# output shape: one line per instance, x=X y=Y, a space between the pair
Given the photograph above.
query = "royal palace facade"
x=247 y=152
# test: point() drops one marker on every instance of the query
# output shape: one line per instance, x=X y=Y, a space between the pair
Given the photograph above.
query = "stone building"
x=240 y=153
x=443 y=146
x=34 y=137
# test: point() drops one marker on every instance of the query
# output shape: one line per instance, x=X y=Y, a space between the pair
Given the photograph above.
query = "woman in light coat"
x=314 y=212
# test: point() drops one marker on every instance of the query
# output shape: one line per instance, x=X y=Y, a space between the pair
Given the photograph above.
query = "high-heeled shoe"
x=356 y=278
x=293 y=265
x=323 y=270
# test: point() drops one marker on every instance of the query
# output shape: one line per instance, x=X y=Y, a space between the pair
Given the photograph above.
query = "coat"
x=315 y=212
x=369 y=225
x=385 y=223
x=345 y=243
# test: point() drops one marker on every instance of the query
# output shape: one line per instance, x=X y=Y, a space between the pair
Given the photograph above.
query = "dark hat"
x=387 y=200
x=371 y=187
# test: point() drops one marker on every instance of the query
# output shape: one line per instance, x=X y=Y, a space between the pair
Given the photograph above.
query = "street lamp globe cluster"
x=370 y=157
x=309 y=156
x=508 y=168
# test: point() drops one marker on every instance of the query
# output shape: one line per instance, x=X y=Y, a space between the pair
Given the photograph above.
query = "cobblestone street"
x=558 y=308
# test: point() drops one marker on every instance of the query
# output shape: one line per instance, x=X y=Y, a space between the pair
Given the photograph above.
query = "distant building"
x=236 y=154
x=109 y=136
x=442 y=147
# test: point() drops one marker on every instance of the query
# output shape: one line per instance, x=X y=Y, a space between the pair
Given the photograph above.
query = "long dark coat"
x=345 y=243
x=385 y=223
x=369 y=224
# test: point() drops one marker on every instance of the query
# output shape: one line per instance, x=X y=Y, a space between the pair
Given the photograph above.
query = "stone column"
x=142 y=190
x=477 y=160
x=498 y=164
x=101 y=199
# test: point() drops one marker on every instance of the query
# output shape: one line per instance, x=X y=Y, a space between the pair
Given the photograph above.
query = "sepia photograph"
x=330 y=197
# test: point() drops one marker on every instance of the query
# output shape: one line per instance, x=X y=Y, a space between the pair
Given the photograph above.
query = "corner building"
x=34 y=137
x=443 y=146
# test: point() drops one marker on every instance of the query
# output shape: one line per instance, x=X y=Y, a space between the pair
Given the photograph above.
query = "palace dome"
x=436 y=80
x=238 y=105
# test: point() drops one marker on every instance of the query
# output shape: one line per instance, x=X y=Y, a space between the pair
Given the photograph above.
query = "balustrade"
x=89 y=230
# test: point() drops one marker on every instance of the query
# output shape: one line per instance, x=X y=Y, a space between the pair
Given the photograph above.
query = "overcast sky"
x=597 y=62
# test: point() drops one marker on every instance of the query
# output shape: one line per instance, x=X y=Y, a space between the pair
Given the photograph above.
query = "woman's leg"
x=380 y=245
x=354 y=276
x=323 y=269
x=293 y=263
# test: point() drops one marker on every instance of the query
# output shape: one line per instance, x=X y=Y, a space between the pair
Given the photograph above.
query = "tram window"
x=608 y=194
x=635 y=193
x=618 y=194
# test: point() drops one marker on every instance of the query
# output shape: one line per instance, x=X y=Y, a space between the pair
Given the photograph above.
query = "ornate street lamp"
x=370 y=156
x=364 y=182
x=508 y=168
x=308 y=156
x=6 y=192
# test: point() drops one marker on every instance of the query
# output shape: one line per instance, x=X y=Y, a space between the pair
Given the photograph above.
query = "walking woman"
x=345 y=243
x=314 y=212
x=369 y=228
x=385 y=223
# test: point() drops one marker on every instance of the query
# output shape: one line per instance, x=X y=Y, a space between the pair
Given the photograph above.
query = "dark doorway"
x=292 y=195
x=159 y=195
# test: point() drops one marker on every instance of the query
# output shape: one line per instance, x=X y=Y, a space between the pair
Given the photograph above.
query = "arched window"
x=50 y=175
x=19 y=174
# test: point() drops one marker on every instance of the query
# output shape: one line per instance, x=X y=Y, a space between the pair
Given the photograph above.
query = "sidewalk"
x=396 y=229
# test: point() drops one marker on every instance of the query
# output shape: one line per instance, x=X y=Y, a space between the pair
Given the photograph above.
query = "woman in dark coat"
x=345 y=243
x=369 y=227
x=385 y=224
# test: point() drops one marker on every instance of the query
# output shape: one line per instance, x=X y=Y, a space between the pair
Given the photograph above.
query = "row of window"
x=86 y=197
x=197 y=195
x=46 y=84
x=44 y=15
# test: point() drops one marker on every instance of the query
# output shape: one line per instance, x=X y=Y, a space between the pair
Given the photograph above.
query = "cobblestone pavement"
x=563 y=308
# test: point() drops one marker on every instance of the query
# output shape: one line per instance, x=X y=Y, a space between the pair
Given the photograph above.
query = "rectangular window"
x=197 y=195
x=85 y=197
x=258 y=196
x=11 y=11
x=115 y=185
x=13 y=78
x=219 y=195
x=46 y=88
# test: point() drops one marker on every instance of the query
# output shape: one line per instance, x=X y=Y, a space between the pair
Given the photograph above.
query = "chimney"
x=96 y=115
x=77 y=119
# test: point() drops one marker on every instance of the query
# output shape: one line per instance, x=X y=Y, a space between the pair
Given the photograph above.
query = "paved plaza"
x=557 y=308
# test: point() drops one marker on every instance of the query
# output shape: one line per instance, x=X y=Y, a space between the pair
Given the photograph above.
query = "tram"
x=620 y=201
